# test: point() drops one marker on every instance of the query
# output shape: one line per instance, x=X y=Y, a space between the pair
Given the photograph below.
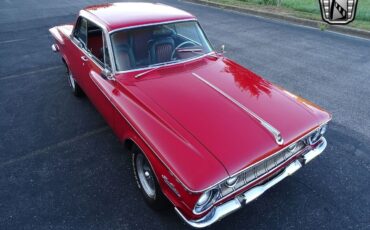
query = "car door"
x=89 y=57
x=90 y=62
x=77 y=55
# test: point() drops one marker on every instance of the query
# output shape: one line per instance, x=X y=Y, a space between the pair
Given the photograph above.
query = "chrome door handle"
x=84 y=58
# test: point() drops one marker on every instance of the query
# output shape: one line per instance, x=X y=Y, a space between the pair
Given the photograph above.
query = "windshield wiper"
x=148 y=71
x=163 y=63
x=155 y=66
x=193 y=50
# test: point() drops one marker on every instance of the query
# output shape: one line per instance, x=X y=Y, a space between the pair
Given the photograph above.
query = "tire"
x=147 y=182
x=76 y=89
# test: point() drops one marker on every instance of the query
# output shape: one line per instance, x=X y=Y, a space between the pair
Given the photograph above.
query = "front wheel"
x=147 y=182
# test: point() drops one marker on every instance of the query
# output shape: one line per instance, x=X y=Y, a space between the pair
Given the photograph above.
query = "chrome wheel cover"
x=145 y=175
x=71 y=80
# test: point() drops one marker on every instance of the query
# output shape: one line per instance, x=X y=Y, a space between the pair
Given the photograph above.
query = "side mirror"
x=222 y=49
x=107 y=74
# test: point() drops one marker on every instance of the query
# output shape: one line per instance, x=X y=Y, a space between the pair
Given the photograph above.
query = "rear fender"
x=57 y=35
x=61 y=34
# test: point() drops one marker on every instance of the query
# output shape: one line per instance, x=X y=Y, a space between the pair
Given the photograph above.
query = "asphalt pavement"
x=61 y=167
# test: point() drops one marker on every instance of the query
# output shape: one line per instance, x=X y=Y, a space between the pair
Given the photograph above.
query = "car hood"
x=206 y=98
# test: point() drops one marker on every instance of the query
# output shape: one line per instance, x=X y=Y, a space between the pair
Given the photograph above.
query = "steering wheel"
x=179 y=46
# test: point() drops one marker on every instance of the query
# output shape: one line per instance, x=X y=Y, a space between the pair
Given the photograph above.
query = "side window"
x=80 y=32
x=96 y=44
x=95 y=41
x=92 y=38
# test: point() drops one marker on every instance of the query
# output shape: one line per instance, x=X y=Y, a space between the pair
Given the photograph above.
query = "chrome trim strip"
x=276 y=134
x=152 y=24
x=219 y=212
x=171 y=186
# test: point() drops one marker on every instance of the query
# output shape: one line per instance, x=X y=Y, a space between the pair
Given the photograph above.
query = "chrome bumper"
x=219 y=212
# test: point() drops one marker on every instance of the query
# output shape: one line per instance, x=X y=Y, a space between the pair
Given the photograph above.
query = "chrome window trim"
x=105 y=52
x=151 y=24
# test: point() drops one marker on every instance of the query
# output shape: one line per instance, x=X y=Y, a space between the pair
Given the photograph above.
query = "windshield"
x=159 y=44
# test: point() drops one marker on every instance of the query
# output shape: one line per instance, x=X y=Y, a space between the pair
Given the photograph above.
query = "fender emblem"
x=171 y=186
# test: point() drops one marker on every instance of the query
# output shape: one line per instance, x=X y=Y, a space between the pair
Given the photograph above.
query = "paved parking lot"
x=61 y=167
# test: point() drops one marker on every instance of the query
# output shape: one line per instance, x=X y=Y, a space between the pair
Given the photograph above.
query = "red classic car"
x=205 y=133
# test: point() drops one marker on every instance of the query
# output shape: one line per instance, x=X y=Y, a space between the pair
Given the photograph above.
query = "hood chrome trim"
x=275 y=133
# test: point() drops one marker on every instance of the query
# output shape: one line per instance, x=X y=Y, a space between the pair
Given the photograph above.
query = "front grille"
x=262 y=168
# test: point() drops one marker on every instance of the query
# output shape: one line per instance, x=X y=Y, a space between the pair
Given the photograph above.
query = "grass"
x=309 y=9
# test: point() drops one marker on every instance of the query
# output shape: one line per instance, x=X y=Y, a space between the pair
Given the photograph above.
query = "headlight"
x=315 y=136
x=204 y=198
x=292 y=148
x=296 y=147
x=231 y=181
x=205 y=201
